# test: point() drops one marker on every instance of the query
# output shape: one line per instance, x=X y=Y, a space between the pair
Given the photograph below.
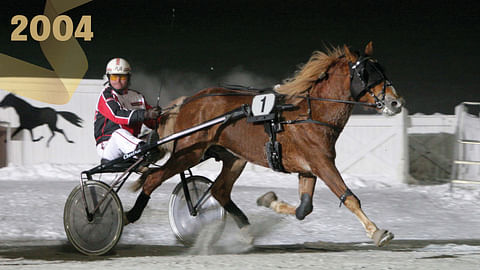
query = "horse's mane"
x=308 y=73
x=16 y=102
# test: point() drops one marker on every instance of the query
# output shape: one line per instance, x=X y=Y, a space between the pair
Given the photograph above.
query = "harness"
x=365 y=74
x=272 y=125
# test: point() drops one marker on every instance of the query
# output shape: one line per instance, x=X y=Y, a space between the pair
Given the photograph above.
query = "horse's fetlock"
x=137 y=210
x=305 y=207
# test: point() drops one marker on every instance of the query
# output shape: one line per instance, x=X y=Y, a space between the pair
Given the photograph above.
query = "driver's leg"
x=121 y=142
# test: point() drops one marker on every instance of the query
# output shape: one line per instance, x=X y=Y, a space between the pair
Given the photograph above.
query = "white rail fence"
x=394 y=149
x=466 y=163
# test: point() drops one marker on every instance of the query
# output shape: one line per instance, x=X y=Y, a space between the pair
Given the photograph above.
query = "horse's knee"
x=305 y=207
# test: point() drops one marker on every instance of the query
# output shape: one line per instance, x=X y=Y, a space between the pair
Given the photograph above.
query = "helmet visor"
x=115 y=77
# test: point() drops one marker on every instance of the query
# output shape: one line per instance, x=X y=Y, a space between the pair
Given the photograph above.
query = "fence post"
x=404 y=164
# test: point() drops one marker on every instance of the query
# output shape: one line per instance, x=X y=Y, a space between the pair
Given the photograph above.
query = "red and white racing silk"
x=116 y=111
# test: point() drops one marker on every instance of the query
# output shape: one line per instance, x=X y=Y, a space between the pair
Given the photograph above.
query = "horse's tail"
x=167 y=123
x=72 y=118
x=166 y=127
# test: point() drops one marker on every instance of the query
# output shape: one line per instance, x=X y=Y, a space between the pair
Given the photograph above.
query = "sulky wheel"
x=210 y=217
x=101 y=233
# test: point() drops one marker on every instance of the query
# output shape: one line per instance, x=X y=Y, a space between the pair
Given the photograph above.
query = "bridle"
x=365 y=74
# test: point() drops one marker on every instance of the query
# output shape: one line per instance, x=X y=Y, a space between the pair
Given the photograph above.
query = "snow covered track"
x=400 y=254
x=434 y=228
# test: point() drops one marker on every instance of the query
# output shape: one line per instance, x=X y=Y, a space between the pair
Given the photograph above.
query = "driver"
x=120 y=113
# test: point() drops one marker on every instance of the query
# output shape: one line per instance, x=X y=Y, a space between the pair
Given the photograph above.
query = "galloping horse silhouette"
x=31 y=117
x=324 y=92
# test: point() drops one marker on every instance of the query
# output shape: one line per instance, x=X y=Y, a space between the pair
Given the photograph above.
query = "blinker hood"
x=364 y=74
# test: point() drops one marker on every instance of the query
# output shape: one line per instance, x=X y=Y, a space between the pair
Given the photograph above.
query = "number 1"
x=263 y=102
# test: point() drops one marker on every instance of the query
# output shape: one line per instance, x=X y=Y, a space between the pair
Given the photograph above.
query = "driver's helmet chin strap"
x=119 y=91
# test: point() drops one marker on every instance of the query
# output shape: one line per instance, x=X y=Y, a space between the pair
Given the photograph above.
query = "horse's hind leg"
x=306 y=187
x=53 y=129
x=222 y=188
x=64 y=135
x=150 y=180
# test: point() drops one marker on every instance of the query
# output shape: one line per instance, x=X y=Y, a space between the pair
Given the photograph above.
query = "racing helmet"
x=118 y=66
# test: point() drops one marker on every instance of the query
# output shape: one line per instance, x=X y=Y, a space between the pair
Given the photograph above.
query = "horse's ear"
x=369 y=49
x=351 y=57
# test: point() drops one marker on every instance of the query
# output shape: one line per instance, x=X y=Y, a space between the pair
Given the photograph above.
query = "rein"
x=338 y=100
x=190 y=99
x=253 y=92
x=356 y=70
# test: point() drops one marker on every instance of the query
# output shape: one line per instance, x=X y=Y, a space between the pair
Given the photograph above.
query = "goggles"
x=115 y=77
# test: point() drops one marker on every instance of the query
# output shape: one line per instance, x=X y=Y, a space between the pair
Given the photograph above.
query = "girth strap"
x=311 y=121
x=273 y=148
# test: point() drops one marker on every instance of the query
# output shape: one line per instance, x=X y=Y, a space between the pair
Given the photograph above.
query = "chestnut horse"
x=324 y=91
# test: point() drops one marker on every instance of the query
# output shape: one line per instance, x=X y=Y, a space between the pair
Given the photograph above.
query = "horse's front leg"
x=327 y=171
x=306 y=188
x=20 y=128
x=33 y=139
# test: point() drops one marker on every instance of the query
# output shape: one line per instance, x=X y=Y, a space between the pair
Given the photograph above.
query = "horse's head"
x=6 y=101
x=368 y=82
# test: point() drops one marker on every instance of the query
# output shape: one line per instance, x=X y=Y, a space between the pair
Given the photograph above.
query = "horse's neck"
x=20 y=105
x=335 y=87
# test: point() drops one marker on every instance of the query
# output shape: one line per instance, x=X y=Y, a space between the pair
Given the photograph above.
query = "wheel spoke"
x=100 y=235
x=186 y=227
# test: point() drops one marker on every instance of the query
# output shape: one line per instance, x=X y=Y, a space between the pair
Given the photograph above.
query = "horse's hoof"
x=266 y=199
x=245 y=235
x=125 y=219
x=381 y=238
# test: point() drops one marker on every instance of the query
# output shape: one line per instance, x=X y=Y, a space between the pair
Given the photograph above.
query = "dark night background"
x=429 y=49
